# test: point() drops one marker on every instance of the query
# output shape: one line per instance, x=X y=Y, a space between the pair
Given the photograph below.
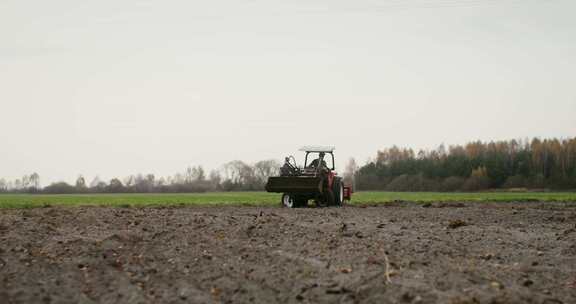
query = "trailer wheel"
x=288 y=201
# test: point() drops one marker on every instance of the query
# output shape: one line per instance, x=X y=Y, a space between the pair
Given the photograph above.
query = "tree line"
x=233 y=176
x=476 y=166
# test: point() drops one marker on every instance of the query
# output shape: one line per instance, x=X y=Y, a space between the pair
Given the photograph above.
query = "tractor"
x=316 y=181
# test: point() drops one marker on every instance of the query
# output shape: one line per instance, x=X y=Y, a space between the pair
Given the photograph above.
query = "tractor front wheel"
x=291 y=201
x=288 y=201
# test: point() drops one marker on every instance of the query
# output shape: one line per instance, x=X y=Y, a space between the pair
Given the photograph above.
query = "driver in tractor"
x=319 y=160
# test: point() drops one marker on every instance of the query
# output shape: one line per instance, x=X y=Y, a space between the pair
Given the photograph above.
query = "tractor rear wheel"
x=338 y=192
x=330 y=199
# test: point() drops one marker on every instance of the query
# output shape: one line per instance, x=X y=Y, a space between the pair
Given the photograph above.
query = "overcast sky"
x=113 y=88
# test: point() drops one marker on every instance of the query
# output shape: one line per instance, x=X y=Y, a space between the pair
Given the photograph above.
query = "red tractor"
x=316 y=181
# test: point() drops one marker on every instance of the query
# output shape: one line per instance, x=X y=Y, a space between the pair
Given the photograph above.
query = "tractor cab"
x=319 y=155
x=317 y=159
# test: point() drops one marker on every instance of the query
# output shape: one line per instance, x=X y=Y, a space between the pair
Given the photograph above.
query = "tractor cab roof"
x=327 y=149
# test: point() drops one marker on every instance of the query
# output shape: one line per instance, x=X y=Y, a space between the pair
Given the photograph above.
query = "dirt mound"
x=400 y=253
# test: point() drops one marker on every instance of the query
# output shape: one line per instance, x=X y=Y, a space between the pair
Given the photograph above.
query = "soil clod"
x=457 y=224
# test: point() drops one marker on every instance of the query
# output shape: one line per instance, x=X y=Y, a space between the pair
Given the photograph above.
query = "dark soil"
x=395 y=253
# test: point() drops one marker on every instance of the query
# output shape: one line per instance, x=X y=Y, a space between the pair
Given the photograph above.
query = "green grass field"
x=261 y=198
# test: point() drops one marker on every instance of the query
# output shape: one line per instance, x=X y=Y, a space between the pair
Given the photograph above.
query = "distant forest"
x=477 y=166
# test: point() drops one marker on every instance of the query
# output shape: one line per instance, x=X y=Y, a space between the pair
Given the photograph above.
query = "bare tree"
x=80 y=183
x=239 y=175
x=35 y=181
x=17 y=185
x=150 y=182
x=115 y=186
x=160 y=182
x=3 y=185
x=25 y=183
x=144 y=183
x=178 y=179
x=95 y=182
x=215 y=179
x=130 y=181
x=232 y=171
x=198 y=174
x=194 y=174
x=266 y=168
x=188 y=175
x=349 y=175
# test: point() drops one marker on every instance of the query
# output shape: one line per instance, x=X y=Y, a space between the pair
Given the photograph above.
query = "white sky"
x=113 y=88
